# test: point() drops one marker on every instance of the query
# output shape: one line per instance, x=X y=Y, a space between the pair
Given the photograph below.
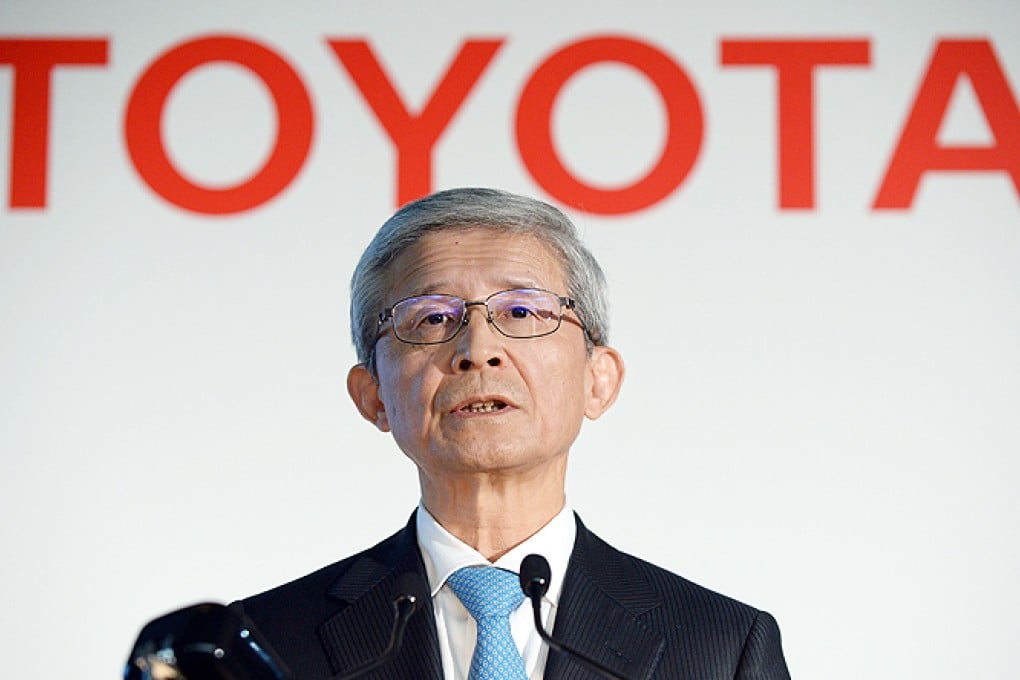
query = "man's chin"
x=488 y=459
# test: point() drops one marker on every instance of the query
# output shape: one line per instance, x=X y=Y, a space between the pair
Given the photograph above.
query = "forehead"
x=476 y=261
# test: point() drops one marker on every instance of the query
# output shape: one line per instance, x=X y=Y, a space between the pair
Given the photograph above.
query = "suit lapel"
x=598 y=611
x=358 y=633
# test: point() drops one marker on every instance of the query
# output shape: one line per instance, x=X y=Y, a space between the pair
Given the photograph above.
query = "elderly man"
x=480 y=325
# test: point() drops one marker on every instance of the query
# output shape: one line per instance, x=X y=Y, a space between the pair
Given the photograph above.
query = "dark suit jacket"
x=633 y=617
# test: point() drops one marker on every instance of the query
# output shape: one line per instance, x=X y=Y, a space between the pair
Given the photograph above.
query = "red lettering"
x=145 y=108
x=683 y=133
x=33 y=61
x=415 y=135
x=795 y=62
x=919 y=151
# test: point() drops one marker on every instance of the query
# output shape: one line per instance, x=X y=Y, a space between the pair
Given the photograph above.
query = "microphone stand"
x=535 y=577
x=411 y=591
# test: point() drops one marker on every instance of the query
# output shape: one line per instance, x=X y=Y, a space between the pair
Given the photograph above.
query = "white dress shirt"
x=444 y=553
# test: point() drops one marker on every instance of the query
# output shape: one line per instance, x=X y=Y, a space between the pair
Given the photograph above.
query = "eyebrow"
x=444 y=287
x=432 y=289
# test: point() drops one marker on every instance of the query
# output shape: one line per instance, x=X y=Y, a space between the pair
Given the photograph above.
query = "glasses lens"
x=525 y=312
x=428 y=318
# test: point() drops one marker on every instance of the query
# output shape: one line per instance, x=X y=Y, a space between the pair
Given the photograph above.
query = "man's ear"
x=364 y=390
x=606 y=371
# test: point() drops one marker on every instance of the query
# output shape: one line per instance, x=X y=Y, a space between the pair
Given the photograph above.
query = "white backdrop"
x=820 y=413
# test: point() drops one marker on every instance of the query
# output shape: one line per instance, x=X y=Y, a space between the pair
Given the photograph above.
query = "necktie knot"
x=487 y=592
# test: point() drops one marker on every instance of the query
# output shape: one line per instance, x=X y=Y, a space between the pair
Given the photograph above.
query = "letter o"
x=683 y=118
x=143 y=122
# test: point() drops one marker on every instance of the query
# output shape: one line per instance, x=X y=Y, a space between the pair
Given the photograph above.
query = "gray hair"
x=473 y=208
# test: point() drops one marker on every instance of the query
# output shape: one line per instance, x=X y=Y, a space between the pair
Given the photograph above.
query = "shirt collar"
x=444 y=553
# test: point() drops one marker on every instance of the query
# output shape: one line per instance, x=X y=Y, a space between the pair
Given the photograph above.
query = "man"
x=480 y=325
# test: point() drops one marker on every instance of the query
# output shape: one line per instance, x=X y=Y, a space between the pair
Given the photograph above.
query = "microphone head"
x=201 y=642
x=535 y=575
x=410 y=590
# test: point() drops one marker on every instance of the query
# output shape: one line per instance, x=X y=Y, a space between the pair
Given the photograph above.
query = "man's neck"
x=493 y=513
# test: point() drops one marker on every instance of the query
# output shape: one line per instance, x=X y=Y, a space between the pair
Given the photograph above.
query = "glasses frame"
x=565 y=302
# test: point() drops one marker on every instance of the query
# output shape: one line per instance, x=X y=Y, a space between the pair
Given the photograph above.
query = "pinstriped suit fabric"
x=638 y=619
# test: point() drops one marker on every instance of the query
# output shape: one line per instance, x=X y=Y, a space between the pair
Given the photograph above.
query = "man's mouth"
x=487 y=406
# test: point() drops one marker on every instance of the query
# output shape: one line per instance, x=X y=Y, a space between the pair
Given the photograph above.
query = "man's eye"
x=520 y=312
x=436 y=319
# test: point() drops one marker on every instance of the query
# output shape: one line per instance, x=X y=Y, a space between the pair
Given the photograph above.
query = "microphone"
x=410 y=593
x=202 y=642
x=535 y=578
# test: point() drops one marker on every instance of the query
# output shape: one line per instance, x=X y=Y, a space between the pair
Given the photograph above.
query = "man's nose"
x=479 y=343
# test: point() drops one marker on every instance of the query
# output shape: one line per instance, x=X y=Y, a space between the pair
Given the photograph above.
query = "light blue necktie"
x=490 y=594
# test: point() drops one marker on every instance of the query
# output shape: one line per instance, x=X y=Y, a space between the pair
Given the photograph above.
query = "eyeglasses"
x=516 y=313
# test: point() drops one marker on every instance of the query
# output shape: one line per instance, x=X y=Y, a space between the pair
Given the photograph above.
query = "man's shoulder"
x=289 y=618
x=323 y=582
x=703 y=634
x=289 y=613
x=299 y=621
x=628 y=579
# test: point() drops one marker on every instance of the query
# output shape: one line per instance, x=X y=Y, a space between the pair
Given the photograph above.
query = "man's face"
x=483 y=402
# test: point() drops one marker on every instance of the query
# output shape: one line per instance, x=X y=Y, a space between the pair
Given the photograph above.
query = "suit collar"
x=603 y=600
x=358 y=633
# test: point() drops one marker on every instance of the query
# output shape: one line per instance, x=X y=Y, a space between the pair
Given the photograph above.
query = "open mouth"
x=488 y=406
